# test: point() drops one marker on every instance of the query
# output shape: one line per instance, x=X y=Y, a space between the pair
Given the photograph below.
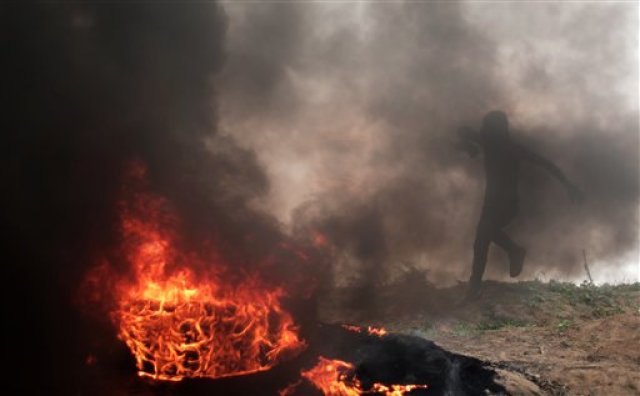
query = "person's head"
x=495 y=126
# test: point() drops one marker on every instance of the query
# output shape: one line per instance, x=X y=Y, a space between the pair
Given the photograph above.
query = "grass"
x=556 y=305
x=488 y=324
x=595 y=301
x=497 y=323
x=565 y=324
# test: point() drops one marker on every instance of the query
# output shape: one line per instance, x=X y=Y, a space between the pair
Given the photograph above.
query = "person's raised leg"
x=515 y=252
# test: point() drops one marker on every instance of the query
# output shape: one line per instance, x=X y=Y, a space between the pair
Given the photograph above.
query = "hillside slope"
x=544 y=338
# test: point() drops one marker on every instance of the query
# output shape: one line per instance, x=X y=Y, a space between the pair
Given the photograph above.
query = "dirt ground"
x=542 y=338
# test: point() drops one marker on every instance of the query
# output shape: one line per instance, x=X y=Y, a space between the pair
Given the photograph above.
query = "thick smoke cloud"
x=352 y=107
x=349 y=106
x=88 y=89
x=93 y=87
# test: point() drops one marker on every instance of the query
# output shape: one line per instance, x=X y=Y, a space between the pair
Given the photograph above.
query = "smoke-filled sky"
x=351 y=107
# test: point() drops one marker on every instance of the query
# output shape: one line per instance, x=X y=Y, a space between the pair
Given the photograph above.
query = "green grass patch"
x=595 y=301
x=490 y=324
x=565 y=324
x=497 y=323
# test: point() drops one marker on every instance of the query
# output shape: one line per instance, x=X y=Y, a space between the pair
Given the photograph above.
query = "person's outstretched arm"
x=574 y=192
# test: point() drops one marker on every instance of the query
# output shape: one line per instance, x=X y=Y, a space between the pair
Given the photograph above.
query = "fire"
x=336 y=378
x=179 y=323
x=371 y=330
x=332 y=378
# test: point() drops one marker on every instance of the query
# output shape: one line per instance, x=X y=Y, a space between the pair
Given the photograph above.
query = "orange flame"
x=336 y=378
x=371 y=330
x=180 y=325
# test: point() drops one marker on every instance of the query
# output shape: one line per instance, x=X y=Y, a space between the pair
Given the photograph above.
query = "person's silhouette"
x=501 y=160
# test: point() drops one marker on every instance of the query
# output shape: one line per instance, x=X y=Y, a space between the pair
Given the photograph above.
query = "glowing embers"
x=371 y=330
x=337 y=378
x=186 y=332
x=179 y=322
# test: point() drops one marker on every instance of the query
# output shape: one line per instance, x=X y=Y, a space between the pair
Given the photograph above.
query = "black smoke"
x=89 y=88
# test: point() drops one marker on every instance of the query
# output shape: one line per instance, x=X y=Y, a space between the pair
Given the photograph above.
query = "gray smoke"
x=352 y=109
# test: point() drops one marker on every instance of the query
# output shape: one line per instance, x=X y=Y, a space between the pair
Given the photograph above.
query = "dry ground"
x=543 y=338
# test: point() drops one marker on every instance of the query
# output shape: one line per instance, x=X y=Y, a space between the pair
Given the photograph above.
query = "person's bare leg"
x=480 y=252
x=516 y=252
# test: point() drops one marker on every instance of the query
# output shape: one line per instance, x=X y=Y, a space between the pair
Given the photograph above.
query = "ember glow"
x=180 y=323
x=336 y=378
x=371 y=330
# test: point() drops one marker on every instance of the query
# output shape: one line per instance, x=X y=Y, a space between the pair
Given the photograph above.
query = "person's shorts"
x=497 y=215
